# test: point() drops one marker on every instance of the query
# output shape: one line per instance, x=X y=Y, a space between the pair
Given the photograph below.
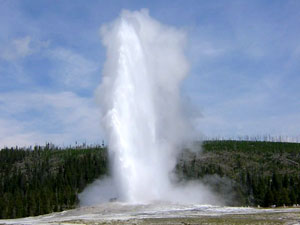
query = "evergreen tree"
x=269 y=199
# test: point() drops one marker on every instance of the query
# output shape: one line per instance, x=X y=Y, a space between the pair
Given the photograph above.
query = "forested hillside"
x=47 y=179
x=259 y=173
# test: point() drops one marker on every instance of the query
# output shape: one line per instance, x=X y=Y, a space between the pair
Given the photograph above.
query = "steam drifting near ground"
x=142 y=112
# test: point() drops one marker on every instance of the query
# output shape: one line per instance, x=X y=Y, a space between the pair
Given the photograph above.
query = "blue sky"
x=244 y=77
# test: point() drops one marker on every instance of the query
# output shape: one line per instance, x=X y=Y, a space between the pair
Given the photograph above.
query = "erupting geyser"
x=141 y=108
x=141 y=103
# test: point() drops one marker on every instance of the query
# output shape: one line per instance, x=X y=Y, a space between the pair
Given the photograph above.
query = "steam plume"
x=142 y=110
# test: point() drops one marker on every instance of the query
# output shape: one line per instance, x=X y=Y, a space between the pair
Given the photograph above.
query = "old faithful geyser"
x=141 y=106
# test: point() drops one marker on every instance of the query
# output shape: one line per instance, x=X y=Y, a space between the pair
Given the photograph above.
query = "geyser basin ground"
x=163 y=213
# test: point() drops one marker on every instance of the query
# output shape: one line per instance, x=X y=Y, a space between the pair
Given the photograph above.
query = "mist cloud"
x=142 y=111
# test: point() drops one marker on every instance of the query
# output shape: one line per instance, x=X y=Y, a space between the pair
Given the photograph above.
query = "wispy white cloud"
x=16 y=133
x=18 y=48
x=252 y=113
x=73 y=69
x=62 y=118
x=21 y=47
x=201 y=49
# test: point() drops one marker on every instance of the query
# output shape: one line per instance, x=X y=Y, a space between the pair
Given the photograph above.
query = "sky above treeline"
x=244 y=59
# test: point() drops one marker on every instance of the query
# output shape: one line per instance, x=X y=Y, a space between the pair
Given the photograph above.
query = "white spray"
x=142 y=112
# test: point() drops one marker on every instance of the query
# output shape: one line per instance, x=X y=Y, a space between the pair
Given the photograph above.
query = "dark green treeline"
x=255 y=172
x=47 y=179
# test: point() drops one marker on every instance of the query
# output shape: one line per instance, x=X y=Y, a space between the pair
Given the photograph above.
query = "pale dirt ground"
x=172 y=214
